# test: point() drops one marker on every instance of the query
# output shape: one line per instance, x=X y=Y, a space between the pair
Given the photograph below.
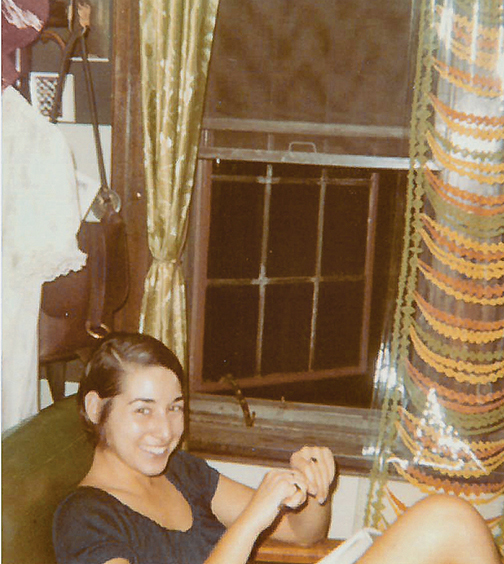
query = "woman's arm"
x=247 y=513
x=303 y=520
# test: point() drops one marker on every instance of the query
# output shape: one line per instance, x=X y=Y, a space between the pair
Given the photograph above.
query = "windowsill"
x=217 y=429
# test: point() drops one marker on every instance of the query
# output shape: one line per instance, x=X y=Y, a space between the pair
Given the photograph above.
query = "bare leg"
x=439 y=529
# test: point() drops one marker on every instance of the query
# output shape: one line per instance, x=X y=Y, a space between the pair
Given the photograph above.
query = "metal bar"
x=318 y=267
x=368 y=268
x=364 y=182
x=264 y=256
x=287 y=280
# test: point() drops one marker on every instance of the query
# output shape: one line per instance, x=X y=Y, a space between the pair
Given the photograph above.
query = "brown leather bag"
x=79 y=308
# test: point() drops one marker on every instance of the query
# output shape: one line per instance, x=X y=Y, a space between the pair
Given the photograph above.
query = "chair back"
x=43 y=459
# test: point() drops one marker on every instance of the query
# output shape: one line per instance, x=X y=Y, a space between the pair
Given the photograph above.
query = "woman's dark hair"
x=115 y=355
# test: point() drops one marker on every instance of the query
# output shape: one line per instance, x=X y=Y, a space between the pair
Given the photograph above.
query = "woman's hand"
x=279 y=489
x=317 y=466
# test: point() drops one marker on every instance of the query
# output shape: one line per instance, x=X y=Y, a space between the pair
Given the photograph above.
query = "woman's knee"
x=449 y=517
x=442 y=506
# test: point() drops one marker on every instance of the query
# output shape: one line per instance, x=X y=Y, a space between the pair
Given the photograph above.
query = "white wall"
x=346 y=518
x=81 y=140
x=349 y=500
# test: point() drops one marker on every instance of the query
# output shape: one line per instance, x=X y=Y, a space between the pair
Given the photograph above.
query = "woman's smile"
x=155 y=450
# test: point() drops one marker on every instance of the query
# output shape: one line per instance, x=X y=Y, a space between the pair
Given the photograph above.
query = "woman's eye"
x=177 y=407
x=142 y=410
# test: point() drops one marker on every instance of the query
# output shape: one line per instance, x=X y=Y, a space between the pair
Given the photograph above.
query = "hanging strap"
x=105 y=243
x=79 y=28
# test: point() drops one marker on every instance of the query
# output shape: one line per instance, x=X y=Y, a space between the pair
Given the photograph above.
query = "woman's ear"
x=93 y=404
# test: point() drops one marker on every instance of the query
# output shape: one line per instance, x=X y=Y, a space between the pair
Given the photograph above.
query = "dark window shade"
x=235 y=230
x=293 y=230
x=345 y=220
x=339 y=324
x=321 y=62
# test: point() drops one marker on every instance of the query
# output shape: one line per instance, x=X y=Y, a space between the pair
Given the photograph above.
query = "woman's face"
x=146 y=420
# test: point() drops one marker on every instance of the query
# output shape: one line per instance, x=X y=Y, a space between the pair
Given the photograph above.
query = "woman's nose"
x=163 y=427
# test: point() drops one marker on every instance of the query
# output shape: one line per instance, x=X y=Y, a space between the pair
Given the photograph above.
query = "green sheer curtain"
x=176 y=41
x=442 y=380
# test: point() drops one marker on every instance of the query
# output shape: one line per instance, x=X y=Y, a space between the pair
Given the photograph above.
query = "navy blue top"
x=91 y=526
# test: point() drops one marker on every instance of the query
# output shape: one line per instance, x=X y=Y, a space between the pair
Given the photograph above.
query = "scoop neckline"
x=138 y=513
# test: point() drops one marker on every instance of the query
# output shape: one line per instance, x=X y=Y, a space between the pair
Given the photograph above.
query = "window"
x=288 y=285
x=295 y=223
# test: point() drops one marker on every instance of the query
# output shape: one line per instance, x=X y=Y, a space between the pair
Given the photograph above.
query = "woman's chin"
x=153 y=464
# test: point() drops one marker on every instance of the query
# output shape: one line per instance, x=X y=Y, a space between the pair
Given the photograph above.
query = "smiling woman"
x=143 y=500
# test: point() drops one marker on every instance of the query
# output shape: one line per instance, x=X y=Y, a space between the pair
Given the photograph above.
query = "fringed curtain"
x=441 y=382
x=176 y=42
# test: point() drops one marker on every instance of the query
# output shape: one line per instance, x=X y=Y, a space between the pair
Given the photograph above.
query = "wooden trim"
x=201 y=200
x=218 y=430
x=277 y=551
x=128 y=178
x=304 y=128
x=271 y=379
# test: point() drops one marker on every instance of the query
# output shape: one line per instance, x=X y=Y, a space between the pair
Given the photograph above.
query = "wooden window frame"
x=219 y=426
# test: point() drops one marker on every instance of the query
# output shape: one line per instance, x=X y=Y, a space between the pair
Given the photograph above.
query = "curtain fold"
x=441 y=380
x=176 y=41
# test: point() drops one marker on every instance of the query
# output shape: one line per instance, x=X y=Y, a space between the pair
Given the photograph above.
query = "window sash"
x=357 y=366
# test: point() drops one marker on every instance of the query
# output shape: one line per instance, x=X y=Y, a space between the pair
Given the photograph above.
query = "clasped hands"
x=311 y=474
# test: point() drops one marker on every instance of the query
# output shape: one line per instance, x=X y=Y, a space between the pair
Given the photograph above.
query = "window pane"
x=235 y=229
x=345 y=223
x=293 y=230
x=339 y=324
x=286 y=339
x=230 y=331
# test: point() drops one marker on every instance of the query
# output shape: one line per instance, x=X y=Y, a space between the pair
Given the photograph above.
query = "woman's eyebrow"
x=145 y=400
x=150 y=400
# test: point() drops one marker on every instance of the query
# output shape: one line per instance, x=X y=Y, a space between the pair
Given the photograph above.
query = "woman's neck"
x=111 y=474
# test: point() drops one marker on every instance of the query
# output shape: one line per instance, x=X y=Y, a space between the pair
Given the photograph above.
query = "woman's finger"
x=300 y=491
x=317 y=464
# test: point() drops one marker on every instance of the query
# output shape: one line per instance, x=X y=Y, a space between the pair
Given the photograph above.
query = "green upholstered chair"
x=43 y=459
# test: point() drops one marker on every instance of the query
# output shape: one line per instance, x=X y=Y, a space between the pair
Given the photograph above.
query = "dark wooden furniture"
x=274 y=552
